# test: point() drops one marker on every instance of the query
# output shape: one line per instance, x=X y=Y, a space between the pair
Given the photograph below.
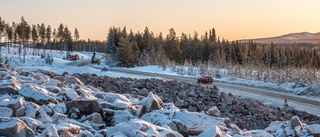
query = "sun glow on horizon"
x=232 y=19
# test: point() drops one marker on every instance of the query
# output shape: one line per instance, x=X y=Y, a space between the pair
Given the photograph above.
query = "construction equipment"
x=74 y=57
x=95 y=60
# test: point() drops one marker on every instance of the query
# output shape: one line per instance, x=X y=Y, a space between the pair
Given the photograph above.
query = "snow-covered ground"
x=60 y=65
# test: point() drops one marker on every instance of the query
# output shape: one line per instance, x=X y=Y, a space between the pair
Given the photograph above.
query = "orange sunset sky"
x=232 y=19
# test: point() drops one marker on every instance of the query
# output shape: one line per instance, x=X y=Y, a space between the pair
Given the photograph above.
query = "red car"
x=74 y=57
x=205 y=79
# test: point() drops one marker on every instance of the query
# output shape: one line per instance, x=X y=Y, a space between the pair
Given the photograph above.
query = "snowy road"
x=268 y=96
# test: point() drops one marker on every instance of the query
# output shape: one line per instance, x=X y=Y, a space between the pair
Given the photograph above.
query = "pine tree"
x=60 y=36
x=54 y=36
x=34 y=34
x=9 y=31
x=273 y=55
x=173 y=47
x=42 y=34
x=49 y=36
x=68 y=38
x=2 y=29
x=314 y=62
x=76 y=36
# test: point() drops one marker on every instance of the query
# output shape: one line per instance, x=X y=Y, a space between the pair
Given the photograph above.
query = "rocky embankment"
x=43 y=103
x=247 y=114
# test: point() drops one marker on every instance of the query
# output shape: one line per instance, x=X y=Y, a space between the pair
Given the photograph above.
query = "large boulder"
x=68 y=129
x=214 y=111
x=212 y=132
x=84 y=105
x=5 y=112
x=60 y=78
x=257 y=133
x=117 y=101
x=314 y=130
x=151 y=102
x=140 y=128
x=197 y=123
x=143 y=92
x=31 y=122
x=11 y=86
x=73 y=80
x=14 y=104
x=95 y=118
x=36 y=94
x=70 y=93
x=31 y=109
x=226 y=100
x=295 y=121
x=14 y=127
x=50 y=131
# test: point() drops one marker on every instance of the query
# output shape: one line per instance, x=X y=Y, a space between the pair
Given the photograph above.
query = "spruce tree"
x=49 y=36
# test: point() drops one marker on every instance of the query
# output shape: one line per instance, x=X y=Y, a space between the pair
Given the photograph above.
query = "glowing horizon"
x=232 y=19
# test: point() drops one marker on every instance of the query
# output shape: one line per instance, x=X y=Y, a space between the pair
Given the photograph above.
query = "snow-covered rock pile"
x=294 y=127
x=245 y=113
x=62 y=105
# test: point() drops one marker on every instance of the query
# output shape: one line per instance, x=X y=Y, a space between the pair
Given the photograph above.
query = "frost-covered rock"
x=14 y=127
x=14 y=104
x=214 y=111
x=54 y=82
x=112 y=97
x=31 y=109
x=31 y=122
x=43 y=116
x=87 y=95
x=58 y=118
x=257 y=133
x=60 y=78
x=38 y=95
x=314 y=130
x=143 y=92
x=226 y=100
x=212 y=132
x=274 y=126
x=50 y=131
x=151 y=102
x=68 y=129
x=11 y=86
x=53 y=89
x=140 y=128
x=95 y=118
x=73 y=80
x=70 y=93
x=197 y=123
x=122 y=116
x=5 y=112
x=295 y=121
x=116 y=101
x=87 y=133
x=84 y=105
x=74 y=111
x=60 y=108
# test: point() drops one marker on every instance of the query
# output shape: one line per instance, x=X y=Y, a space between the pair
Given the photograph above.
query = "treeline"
x=140 y=49
x=46 y=37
